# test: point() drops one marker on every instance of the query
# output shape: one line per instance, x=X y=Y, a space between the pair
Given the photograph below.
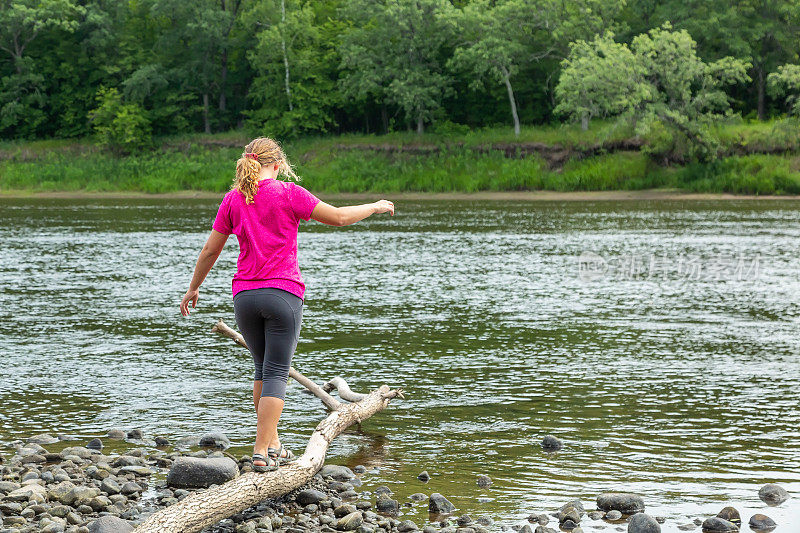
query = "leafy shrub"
x=124 y=128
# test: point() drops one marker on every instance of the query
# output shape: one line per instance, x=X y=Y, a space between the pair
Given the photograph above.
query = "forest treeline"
x=131 y=70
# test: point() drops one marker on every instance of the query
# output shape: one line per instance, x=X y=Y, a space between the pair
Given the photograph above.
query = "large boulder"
x=643 y=523
x=201 y=472
x=624 y=502
x=110 y=524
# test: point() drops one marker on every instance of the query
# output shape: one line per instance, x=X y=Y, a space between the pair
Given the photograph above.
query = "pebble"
x=613 y=515
x=116 y=434
x=424 y=476
x=484 y=481
x=94 y=444
x=760 y=522
x=772 y=494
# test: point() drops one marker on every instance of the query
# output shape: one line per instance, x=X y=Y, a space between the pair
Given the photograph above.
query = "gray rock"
x=131 y=487
x=687 y=527
x=215 y=440
x=643 y=523
x=731 y=515
x=543 y=529
x=8 y=486
x=382 y=489
x=194 y=472
x=569 y=524
x=343 y=510
x=309 y=496
x=429 y=529
x=359 y=469
x=161 y=441
x=80 y=451
x=350 y=522
x=424 y=476
x=58 y=492
x=80 y=495
x=145 y=471
x=95 y=444
x=135 y=434
x=551 y=443
x=613 y=515
x=110 y=486
x=127 y=460
x=419 y=496
x=575 y=504
x=484 y=481
x=42 y=438
x=439 y=504
x=773 y=494
x=337 y=472
x=187 y=442
x=624 y=502
x=761 y=522
x=10 y=508
x=406 y=525
x=715 y=524
x=116 y=434
x=596 y=515
x=110 y=524
x=384 y=504
x=568 y=513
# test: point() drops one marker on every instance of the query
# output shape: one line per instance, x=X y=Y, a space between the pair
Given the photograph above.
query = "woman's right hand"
x=384 y=206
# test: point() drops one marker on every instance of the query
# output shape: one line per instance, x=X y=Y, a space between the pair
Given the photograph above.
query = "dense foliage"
x=128 y=70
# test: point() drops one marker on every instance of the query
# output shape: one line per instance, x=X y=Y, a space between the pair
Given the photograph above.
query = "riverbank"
x=56 y=485
x=515 y=196
x=758 y=159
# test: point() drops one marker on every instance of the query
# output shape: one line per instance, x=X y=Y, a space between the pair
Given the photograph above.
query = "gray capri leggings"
x=270 y=320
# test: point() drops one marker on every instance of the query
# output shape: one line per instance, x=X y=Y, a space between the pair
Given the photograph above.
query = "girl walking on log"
x=264 y=213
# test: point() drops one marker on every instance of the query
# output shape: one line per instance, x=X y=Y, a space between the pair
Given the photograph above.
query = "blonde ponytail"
x=261 y=151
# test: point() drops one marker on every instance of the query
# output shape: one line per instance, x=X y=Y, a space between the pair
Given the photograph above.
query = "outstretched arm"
x=208 y=256
x=344 y=216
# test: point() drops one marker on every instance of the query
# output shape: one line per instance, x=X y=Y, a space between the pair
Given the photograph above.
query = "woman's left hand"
x=190 y=296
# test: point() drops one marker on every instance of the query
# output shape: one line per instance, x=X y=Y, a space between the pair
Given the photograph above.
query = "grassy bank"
x=558 y=158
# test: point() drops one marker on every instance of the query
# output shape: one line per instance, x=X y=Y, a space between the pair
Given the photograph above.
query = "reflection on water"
x=683 y=388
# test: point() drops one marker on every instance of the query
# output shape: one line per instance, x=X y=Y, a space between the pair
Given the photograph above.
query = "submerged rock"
x=624 y=502
x=439 y=504
x=424 y=476
x=773 y=494
x=551 y=443
x=761 y=522
x=484 y=481
x=719 y=525
x=643 y=523
x=195 y=472
x=95 y=444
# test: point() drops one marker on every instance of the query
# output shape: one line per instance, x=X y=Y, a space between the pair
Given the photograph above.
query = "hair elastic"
x=252 y=155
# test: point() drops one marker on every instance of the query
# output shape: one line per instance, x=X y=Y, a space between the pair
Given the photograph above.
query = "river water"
x=658 y=339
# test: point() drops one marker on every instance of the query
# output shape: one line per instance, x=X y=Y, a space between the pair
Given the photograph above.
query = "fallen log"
x=202 y=509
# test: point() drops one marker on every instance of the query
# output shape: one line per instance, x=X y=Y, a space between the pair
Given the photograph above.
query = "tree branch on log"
x=330 y=402
x=202 y=509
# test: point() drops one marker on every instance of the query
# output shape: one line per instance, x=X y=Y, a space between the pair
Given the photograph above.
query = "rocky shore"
x=81 y=489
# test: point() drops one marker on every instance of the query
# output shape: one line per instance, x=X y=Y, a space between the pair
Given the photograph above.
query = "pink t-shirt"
x=267 y=233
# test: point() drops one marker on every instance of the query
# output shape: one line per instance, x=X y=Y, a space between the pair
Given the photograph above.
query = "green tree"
x=21 y=22
x=786 y=82
x=600 y=78
x=396 y=50
x=497 y=39
x=295 y=57
x=666 y=84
